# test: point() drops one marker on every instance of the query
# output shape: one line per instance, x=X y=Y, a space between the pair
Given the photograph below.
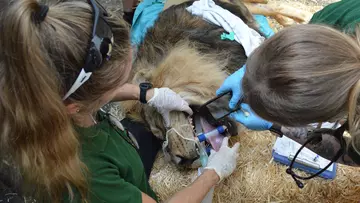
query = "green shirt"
x=343 y=15
x=116 y=173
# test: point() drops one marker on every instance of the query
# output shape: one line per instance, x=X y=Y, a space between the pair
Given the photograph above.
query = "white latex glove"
x=224 y=161
x=166 y=100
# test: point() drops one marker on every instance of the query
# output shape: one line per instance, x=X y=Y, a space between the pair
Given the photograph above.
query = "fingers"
x=188 y=110
x=185 y=107
x=212 y=154
x=225 y=142
x=239 y=116
x=222 y=89
x=243 y=114
x=235 y=148
x=236 y=96
x=246 y=107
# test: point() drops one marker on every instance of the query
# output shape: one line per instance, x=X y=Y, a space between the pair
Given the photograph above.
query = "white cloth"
x=209 y=11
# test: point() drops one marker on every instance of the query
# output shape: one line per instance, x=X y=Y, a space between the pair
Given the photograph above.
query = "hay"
x=258 y=179
x=311 y=6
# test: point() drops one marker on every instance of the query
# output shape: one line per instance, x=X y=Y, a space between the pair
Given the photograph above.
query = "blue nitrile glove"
x=250 y=119
x=233 y=84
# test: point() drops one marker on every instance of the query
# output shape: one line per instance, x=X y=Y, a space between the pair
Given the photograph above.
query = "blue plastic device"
x=202 y=137
x=284 y=160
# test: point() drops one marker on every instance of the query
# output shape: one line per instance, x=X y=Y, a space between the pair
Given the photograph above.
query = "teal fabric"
x=145 y=16
x=148 y=11
x=264 y=25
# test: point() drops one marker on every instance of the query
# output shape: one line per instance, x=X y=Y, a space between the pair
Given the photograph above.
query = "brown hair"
x=38 y=65
x=305 y=74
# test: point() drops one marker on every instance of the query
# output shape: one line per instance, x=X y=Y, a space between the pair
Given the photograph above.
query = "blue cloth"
x=145 y=16
x=148 y=11
x=264 y=25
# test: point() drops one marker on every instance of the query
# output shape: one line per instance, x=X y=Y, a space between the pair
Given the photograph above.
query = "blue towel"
x=145 y=16
x=264 y=25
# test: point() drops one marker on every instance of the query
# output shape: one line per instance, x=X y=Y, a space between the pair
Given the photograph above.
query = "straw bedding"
x=259 y=179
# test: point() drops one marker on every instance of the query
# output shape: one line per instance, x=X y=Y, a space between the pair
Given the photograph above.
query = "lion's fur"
x=185 y=53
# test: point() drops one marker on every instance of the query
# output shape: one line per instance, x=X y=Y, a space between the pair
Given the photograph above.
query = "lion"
x=186 y=54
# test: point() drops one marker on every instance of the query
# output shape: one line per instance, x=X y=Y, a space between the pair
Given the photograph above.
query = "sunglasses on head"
x=100 y=46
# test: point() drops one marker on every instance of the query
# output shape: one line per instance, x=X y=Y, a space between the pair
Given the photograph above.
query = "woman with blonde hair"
x=306 y=74
x=60 y=62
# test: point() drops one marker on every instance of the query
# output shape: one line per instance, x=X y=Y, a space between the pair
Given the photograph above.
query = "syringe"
x=203 y=136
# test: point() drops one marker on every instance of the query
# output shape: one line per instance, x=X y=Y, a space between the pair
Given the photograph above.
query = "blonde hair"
x=306 y=74
x=38 y=64
x=354 y=106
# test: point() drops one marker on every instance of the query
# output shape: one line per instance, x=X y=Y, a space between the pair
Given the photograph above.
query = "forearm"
x=131 y=92
x=196 y=192
x=327 y=147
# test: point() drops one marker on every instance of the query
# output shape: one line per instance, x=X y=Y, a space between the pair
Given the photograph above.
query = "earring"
x=77 y=110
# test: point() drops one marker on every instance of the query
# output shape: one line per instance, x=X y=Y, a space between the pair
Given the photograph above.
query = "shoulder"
x=105 y=145
x=342 y=15
x=94 y=139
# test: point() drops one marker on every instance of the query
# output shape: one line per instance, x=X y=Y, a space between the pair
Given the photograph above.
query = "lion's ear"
x=154 y=121
x=157 y=132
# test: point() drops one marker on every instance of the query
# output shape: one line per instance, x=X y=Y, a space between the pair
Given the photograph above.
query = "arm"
x=107 y=185
x=197 y=190
x=327 y=148
x=163 y=99
x=131 y=92
x=194 y=193
x=220 y=165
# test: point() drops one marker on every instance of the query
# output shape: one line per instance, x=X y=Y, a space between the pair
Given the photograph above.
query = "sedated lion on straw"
x=185 y=53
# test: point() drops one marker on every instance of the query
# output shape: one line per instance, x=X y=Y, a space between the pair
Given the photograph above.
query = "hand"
x=249 y=119
x=166 y=100
x=223 y=162
x=233 y=84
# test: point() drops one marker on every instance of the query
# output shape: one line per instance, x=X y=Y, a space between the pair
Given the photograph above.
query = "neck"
x=85 y=120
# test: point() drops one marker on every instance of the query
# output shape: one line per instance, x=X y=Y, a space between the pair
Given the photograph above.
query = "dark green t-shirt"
x=343 y=15
x=116 y=173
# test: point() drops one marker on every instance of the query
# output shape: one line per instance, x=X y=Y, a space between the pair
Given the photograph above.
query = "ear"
x=154 y=121
x=157 y=132
x=72 y=109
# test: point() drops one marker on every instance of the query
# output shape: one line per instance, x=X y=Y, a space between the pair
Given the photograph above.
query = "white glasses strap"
x=80 y=80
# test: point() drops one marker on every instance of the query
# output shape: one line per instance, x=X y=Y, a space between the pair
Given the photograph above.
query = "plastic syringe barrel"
x=220 y=129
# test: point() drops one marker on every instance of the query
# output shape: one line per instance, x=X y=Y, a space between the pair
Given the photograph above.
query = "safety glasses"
x=100 y=47
x=316 y=137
